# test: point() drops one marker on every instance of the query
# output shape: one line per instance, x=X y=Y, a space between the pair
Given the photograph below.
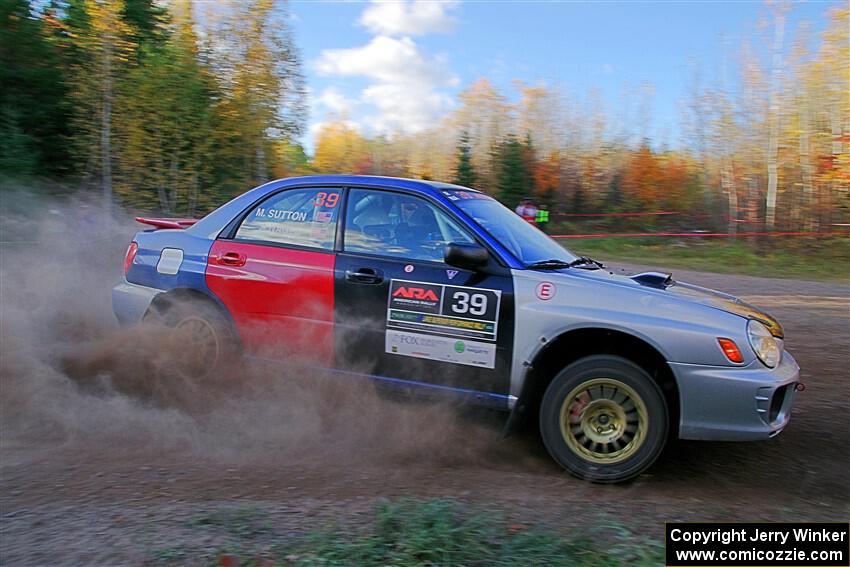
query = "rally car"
x=440 y=288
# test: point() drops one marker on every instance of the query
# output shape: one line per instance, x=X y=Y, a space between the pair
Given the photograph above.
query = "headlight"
x=763 y=343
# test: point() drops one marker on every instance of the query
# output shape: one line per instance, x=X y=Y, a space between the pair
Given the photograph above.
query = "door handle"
x=364 y=276
x=232 y=259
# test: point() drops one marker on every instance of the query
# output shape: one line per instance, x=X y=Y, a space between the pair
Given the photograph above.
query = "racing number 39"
x=328 y=200
x=463 y=302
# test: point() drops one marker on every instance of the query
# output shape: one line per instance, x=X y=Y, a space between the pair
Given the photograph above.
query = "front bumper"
x=130 y=301
x=735 y=404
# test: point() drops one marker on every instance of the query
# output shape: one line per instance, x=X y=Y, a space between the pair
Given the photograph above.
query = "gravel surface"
x=99 y=476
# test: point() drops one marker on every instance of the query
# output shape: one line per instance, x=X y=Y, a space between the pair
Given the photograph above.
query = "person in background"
x=527 y=211
x=542 y=217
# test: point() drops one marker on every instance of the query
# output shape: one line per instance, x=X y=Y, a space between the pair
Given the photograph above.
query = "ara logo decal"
x=451 y=274
x=546 y=291
x=420 y=297
x=416 y=293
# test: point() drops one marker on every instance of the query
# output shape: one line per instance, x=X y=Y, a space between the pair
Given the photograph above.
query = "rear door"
x=403 y=313
x=274 y=271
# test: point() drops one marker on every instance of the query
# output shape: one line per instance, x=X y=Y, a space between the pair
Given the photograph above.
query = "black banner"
x=761 y=544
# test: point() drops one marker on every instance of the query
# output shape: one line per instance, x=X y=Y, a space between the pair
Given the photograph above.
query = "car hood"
x=665 y=284
x=726 y=302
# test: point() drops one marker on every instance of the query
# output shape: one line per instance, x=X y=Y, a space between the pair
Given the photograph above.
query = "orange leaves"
x=654 y=181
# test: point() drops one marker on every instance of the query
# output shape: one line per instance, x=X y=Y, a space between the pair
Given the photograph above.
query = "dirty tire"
x=202 y=339
x=604 y=419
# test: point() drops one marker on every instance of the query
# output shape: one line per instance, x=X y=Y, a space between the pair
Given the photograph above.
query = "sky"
x=399 y=65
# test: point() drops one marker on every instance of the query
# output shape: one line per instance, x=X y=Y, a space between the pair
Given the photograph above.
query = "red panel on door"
x=282 y=300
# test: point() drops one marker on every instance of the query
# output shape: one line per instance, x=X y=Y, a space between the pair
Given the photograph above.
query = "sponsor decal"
x=415 y=296
x=296 y=216
x=466 y=312
x=456 y=195
x=441 y=349
x=415 y=293
x=546 y=291
x=408 y=268
x=451 y=274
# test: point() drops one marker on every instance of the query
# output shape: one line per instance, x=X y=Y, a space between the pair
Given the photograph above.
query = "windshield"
x=524 y=241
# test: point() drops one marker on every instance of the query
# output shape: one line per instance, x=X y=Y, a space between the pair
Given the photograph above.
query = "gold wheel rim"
x=201 y=346
x=604 y=421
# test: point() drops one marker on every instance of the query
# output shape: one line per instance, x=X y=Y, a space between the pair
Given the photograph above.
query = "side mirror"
x=466 y=256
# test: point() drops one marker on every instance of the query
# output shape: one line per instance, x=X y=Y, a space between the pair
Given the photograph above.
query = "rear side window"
x=398 y=225
x=298 y=217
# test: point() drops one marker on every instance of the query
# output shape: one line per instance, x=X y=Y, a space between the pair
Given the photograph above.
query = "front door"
x=401 y=312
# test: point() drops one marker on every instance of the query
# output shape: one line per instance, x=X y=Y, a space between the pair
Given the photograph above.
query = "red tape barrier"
x=617 y=214
x=677 y=234
x=660 y=213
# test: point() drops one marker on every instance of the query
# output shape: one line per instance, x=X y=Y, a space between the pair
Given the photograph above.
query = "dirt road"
x=94 y=476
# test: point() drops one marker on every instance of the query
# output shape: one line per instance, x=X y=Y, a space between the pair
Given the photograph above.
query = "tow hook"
x=799 y=386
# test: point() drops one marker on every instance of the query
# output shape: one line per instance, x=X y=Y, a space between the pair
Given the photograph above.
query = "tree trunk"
x=773 y=141
x=105 y=132
x=806 y=167
x=727 y=180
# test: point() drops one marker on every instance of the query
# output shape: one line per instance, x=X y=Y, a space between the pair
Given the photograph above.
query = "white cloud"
x=334 y=101
x=403 y=107
x=416 y=17
x=386 y=59
x=406 y=82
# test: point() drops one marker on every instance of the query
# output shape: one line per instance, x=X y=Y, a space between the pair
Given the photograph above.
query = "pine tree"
x=465 y=173
x=512 y=173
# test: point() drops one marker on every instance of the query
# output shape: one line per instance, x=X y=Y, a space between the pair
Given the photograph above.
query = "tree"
x=146 y=21
x=513 y=175
x=774 y=117
x=485 y=116
x=165 y=125
x=33 y=100
x=465 y=173
x=103 y=44
x=339 y=148
x=259 y=73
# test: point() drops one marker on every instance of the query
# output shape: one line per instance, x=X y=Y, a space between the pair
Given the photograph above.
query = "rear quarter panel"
x=192 y=270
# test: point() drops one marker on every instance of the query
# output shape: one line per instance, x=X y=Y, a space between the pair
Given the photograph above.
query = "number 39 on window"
x=463 y=302
x=328 y=200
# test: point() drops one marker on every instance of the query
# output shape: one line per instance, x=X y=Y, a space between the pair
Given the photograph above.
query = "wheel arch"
x=567 y=347
x=166 y=300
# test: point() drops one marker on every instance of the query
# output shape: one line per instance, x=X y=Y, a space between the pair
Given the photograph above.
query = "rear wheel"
x=200 y=338
x=604 y=419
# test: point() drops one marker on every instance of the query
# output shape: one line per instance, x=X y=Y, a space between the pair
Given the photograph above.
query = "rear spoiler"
x=167 y=223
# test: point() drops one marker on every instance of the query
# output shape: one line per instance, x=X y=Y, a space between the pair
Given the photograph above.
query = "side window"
x=399 y=225
x=301 y=217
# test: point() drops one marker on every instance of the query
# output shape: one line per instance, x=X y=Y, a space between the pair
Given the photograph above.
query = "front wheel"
x=604 y=419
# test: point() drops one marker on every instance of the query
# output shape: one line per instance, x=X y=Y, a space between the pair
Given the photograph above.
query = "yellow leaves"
x=339 y=148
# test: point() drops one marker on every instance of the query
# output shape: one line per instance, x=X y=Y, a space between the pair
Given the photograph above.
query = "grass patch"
x=806 y=258
x=409 y=532
x=239 y=522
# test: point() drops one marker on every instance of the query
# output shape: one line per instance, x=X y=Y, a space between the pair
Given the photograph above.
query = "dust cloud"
x=70 y=377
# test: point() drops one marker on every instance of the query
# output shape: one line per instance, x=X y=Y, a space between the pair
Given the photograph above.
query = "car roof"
x=424 y=185
x=213 y=223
